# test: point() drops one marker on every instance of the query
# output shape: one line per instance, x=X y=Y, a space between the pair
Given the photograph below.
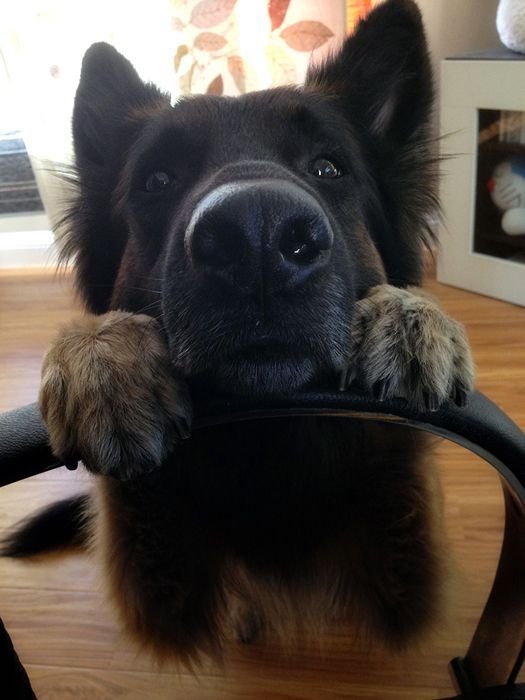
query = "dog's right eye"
x=158 y=181
x=322 y=167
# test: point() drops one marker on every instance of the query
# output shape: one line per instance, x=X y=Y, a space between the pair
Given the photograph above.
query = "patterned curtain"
x=356 y=10
x=185 y=46
x=233 y=46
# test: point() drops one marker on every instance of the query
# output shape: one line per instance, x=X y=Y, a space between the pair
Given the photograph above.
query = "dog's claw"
x=71 y=463
x=347 y=377
x=249 y=627
x=432 y=402
x=380 y=390
x=183 y=426
x=460 y=397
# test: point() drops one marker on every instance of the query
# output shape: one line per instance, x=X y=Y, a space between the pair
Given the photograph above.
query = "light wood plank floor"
x=66 y=635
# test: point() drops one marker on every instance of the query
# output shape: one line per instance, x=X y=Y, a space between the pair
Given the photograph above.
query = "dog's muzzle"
x=265 y=231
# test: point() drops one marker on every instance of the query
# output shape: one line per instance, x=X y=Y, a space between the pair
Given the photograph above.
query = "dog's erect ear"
x=381 y=80
x=112 y=105
x=109 y=95
x=382 y=72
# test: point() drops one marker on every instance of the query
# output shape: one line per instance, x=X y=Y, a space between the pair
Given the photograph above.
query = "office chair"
x=490 y=667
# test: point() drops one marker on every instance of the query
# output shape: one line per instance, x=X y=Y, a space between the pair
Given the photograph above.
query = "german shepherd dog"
x=274 y=241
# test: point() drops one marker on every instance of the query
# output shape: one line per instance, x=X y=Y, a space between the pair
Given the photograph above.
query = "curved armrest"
x=24 y=445
x=480 y=426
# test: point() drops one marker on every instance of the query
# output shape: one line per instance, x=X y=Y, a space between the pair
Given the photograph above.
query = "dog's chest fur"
x=301 y=523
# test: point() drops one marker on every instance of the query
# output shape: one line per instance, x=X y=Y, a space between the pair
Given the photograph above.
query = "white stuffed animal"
x=507 y=191
x=510 y=22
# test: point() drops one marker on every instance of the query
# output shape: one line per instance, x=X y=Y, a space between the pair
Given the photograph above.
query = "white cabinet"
x=483 y=184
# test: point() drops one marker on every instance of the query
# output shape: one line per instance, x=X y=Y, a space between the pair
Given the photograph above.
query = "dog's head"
x=249 y=226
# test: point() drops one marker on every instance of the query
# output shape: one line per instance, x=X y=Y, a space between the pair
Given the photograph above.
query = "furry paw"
x=109 y=398
x=405 y=346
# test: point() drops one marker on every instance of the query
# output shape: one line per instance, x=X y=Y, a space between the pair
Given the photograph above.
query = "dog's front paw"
x=405 y=346
x=108 y=395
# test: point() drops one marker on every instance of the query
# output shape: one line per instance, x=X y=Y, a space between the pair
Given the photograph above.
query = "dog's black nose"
x=272 y=230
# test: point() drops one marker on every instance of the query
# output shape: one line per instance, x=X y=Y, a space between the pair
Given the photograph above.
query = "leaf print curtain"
x=233 y=46
x=356 y=10
x=185 y=46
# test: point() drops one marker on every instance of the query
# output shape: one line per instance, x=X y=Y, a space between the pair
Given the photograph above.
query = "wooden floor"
x=65 y=633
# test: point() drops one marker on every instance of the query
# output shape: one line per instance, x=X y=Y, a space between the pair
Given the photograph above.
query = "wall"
x=458 y=26
x=455 y=27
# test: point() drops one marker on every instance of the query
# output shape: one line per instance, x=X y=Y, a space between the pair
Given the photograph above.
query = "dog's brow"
x=308 y=119
x=158 y=145
x=301 y=114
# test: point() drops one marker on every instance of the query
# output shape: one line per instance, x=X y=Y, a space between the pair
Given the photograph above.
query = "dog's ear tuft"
x=109 y=93
x=382 y=72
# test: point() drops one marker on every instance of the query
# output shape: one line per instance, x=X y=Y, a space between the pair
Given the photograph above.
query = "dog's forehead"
x=266 y=117
x=279 y=123
x=275 y=106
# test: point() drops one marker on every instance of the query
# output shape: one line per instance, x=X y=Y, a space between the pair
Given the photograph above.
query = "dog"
x=261 y=245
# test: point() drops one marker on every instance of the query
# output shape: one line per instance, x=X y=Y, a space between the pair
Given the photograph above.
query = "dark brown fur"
x=286 y=524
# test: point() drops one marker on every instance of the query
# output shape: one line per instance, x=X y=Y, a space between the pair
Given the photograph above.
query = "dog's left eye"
x=322 y=167
x=158 y=181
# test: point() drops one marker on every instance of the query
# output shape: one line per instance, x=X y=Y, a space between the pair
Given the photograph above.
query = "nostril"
x=299 y=244
x=219 y=247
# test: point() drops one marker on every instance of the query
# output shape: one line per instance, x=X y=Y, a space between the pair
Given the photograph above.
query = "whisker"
x=148 y=307
x=141 y=289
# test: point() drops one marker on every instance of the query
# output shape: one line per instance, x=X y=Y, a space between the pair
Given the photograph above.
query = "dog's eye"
x=322 y=167
x=158 y=181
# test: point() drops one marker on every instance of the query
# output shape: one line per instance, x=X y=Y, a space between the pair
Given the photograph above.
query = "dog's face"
x=249 y=226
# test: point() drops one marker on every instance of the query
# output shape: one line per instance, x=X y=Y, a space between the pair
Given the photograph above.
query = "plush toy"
x=507 y=190
x=510 y=22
